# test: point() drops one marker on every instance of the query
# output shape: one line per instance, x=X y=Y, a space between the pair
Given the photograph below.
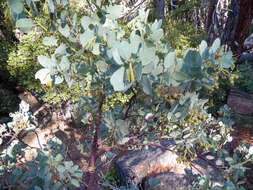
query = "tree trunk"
x=230 y=21
x=159 y=7
x=244 y=22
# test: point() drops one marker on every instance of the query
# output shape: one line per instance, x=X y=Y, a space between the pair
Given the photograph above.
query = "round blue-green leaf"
x=203 y=48
x=96 y=50
x=135 y=42
x=229 y=186
x=146 y=85
x=101 y=66
x=117 y=79
x=125 y=50
x=114 y=12
x=45 y=61
x=75 y=182
x=68 y=164
x=61 y=50
x=61 y=169
x=37 y=188
x=111 y=38
x=215 y=46
x=51 y=6
x=64 y=31
x=179 y=76
x=50 y=41
x=147 y=55
x=58 y=158
x=122 y=129
x=157 y=35
x=78 y=174
x=57 y=79
x=148 y=68
x=17 y=6
x=86 y=37
x=86 y=21
x=64 y=64
x=138 y=71
x=25 y=24
x=157 y=71
x=156 y=25
x=170 y=61
x=74 y=20
x=227 y=60
x=193 y=59
x=43 y=75
x=116 y=56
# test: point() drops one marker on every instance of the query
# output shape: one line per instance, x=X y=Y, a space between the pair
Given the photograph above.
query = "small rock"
x=135 y=166
x=240 y=102
x=248 y=43
x=30 y=99
x=171 y=181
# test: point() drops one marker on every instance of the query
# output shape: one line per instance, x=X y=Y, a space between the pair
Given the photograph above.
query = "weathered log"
x=240 y=102
x=246 y=57
x=170 y=180
x=136 y=166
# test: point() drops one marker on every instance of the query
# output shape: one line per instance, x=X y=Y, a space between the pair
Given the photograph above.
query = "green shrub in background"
x=6 y=39
x=23 y=64
x=183 y=35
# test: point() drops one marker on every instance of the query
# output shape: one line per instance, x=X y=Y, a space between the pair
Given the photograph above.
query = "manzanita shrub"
x=162 y=91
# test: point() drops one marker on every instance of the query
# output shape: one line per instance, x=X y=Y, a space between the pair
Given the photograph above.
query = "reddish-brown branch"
x=90 y=171
x=105 y=148
x=130 y=104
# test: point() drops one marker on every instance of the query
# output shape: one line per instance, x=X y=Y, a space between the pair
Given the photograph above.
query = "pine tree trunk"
x=230 y=21
x=159 y=7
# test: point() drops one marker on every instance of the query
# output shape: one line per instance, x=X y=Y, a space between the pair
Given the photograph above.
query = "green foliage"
x=184 y=8
x=244 y=78
x=22 y=62
x=6 y=39
x=48 y=170
x=183 y=35
x=112 y=177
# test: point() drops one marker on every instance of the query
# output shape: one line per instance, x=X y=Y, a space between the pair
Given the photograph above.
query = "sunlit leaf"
x=75 y=182
x=117 y=79
x=64 y=64
x=114 y=11
x=157 y=35
x=147 y=55
x=215 y=46
x=65 y=31
x=61 y=169
x=86 y=37
x=170 y=61
x=25 y=24
x=146 y=85
x=116 y=56
x=227 y=60
x=17 y=6
x=45 y=61
x=61 y=50
x=43 y=75
x=50 y=41
x=203 y=49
